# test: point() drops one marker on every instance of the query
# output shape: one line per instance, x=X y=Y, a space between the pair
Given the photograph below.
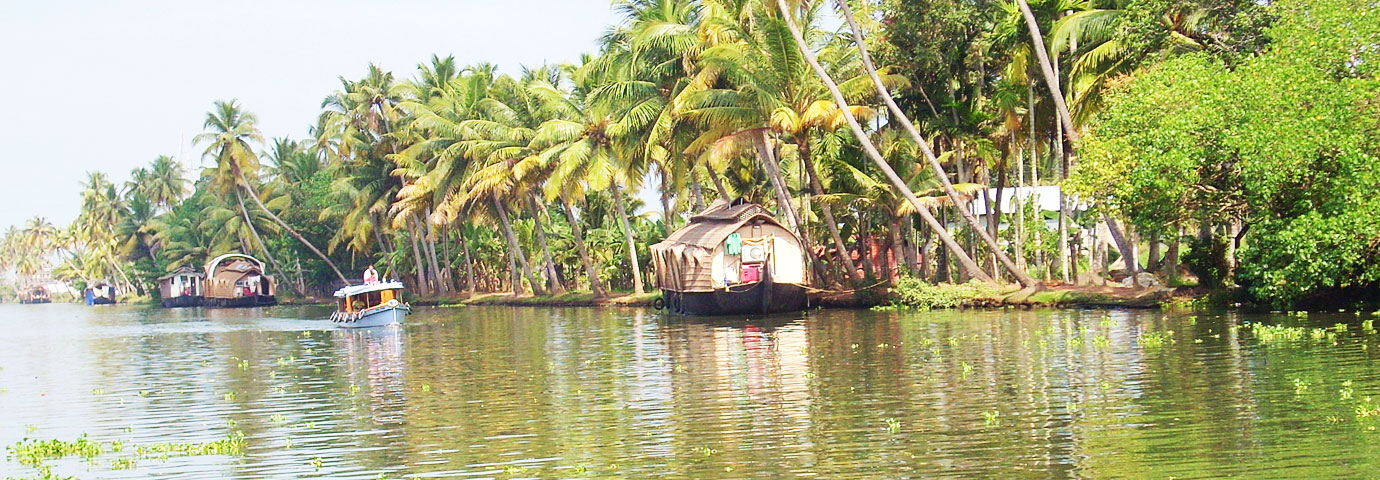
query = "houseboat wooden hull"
x=100 y=301
x=35 y=300
x=241 y=302
x=758 y=298
x=376 y=317
x=183 y=301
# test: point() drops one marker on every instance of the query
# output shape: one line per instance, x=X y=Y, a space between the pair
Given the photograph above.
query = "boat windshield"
x=366 y=300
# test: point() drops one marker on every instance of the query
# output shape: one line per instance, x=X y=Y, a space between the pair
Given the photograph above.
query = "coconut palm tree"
x=231 y=129
x=969 y=266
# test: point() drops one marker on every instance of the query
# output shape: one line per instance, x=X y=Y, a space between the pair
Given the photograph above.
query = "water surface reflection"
x=531 y=392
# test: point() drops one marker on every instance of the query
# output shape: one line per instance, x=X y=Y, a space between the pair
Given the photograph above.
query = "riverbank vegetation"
x=1232 y=142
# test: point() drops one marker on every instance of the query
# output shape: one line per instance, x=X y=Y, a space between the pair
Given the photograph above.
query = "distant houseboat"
x=370 y=305
x=35 y=294
x=181 y=288
x=237 y=280
x=99 y=292
x=733 y=258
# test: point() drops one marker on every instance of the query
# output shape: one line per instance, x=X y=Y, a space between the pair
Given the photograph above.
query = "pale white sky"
x=110 y=85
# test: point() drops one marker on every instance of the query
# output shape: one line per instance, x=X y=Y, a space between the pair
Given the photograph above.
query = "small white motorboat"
x=370 y=305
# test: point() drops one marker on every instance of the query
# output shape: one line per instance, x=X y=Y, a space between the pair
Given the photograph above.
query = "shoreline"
x=1063 y=296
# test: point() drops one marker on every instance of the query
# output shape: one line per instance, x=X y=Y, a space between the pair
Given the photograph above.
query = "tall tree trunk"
x=254 y=195
x=865 y=248
x=437 y=278
x=968 y=264
x=807 y=157
x=469 y=264
x=766 y=154
x=1127 y=254
x=1051 y=78
x=696 y=193
x=628 y=235
x=419 y=265
x=557 y=287
x=1171 y=258
x=908 y=242
x=255 y=232
x=585 y=260
x=718 y=183
x=1019 y=273
x=515 y=253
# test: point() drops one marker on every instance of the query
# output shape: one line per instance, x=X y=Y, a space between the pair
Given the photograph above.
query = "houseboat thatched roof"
x=709 y=228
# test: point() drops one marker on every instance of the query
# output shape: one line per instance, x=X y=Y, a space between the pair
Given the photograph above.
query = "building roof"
x=181 y=271
x=709 y=228
x=1045 y=197
x=353 y=290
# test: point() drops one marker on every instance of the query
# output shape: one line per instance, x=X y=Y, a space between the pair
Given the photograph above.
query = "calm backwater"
x=505 y=392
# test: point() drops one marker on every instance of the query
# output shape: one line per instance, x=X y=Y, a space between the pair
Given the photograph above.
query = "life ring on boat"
x=659 y=303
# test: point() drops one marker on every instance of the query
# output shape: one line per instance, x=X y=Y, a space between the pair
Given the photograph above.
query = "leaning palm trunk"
x=281 y=223
x=627 y=235
x=778 y=183
x=555 y=282
x=1052 y=81
x=515 y=254
x=818 y=189
x=250 y=223
x=1021 y=276
x=967 y=262
x=585 y=259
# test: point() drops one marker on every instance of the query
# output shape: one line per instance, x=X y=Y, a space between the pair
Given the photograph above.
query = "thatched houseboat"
x=733 y=258
x=35 y=294
x=237 y=280
x=181 y=288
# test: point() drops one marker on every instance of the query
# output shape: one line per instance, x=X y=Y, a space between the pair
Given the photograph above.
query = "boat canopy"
x=353 y=290
x=183 y=271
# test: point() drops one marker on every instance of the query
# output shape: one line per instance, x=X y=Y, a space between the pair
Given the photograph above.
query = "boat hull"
x=378 y=318
x=758 y=298
x=37 y=300
x=241 y=302
x=100 y=301
x=183 y=301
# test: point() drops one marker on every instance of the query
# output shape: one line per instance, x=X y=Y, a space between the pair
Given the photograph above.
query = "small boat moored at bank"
x=181 y=288
x=733 y=258
x=370 y=305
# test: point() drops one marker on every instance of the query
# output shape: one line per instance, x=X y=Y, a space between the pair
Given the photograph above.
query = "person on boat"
x=371 y=275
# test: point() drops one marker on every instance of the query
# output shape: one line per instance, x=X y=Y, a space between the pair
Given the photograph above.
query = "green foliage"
x=1285 y=142
x=916 y=293
x=1207 y=259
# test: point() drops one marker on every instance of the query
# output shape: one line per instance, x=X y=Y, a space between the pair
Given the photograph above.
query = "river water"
x=504 y=392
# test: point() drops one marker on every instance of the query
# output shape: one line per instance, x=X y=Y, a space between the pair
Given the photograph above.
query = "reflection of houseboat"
x=181 y=288
x=237 y=280
x=370 y=305
x=732 y=258
x=35 y=294
x=99 y=292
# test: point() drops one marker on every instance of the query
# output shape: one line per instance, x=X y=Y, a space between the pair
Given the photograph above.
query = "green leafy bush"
x=916 y=293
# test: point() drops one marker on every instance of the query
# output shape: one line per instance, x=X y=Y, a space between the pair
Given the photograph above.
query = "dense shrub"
x=917 y=293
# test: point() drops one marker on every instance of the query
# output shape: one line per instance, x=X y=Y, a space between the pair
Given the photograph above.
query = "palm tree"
x=1024 y=278
x=969 y=266
x=230 y=131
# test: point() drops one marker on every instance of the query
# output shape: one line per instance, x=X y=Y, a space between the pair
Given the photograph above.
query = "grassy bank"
x=568 y=299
